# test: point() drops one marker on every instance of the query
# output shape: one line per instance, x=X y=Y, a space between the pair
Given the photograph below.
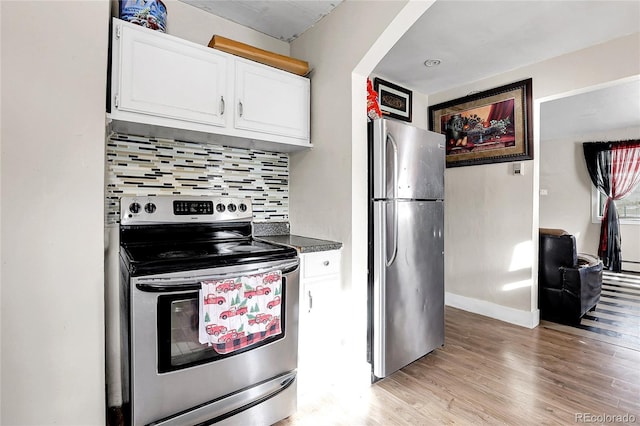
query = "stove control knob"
x=242 y=207
x=231 y=208
x=220 y=208
x=150 y=208
x=134 y=208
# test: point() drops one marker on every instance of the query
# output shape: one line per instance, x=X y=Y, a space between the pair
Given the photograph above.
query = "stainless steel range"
x=210 y=314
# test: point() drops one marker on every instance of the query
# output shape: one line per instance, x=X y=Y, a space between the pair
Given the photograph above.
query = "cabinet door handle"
x=240 y=108
x=221 y=105
x=326 y=263
x=310 y=301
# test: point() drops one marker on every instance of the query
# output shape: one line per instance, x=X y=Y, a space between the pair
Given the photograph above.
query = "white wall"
x=420 y=115
x=328 y=186
x=321 y=184
x=1 y=244
x=52 y=324
x=54 y=59
x=567 y=205
x=630 y=237
x=492 y=215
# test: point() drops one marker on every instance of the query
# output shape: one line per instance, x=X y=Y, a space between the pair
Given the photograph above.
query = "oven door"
x=171 y=372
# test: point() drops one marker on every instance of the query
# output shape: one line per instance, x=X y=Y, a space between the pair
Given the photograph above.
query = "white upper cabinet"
x=163 y=86
x=270 y=100
x=171 y=78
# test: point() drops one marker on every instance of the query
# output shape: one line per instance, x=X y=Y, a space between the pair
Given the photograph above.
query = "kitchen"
x=56 y=82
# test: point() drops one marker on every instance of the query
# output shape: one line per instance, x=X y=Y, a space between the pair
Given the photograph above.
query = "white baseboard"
x=492 y=310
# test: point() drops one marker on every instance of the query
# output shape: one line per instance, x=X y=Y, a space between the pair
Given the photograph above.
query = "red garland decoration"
x=373 y=109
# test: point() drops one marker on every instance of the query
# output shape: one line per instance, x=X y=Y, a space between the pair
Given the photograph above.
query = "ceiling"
x=581 y=115
x=475 y=40
x=281 y=19
x=479 y=39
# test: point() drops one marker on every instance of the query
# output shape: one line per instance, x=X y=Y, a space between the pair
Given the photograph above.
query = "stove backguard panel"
x=149 y=166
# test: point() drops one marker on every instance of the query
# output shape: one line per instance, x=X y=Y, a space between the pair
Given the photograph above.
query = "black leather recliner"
x=569 y=285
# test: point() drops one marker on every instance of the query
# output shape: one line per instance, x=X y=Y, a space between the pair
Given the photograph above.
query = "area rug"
x=616 y=317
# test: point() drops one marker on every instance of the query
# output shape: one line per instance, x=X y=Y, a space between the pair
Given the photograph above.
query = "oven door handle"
x=189 y=283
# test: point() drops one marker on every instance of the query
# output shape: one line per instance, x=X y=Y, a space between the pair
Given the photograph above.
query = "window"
x=628 y=208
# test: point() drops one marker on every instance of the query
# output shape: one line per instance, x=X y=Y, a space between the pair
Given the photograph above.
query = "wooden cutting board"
x=295 y=66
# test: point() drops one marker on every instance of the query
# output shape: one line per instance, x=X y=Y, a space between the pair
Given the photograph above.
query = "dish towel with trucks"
x=239 y=312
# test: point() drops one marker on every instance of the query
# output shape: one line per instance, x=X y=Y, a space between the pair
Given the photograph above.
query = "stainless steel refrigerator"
x=406 y=245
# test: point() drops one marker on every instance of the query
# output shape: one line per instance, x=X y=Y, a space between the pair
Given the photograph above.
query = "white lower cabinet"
x=319 y=326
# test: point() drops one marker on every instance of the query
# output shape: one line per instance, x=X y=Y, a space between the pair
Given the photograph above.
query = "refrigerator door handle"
x=379 y=289
x=394 y=214
x=394 y=145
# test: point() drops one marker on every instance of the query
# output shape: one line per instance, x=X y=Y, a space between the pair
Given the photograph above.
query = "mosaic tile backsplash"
x=149 y=166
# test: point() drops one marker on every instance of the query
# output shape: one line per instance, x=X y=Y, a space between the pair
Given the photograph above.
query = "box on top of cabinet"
x=243 y=50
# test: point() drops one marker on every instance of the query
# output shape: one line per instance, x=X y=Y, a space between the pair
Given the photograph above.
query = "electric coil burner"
x=209 y=314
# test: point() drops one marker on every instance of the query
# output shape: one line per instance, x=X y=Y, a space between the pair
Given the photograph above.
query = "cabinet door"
x=271 y=101
x=164 y=76
x=319 y=335
x=322 y=315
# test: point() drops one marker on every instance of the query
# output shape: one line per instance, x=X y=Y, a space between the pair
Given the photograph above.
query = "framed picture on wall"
x=486 y=127
x=395 y=101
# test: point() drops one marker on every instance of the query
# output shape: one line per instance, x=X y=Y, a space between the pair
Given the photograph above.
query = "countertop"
x=302 y=244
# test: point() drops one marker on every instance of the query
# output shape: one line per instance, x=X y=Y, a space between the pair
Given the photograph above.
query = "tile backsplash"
x=151 y=166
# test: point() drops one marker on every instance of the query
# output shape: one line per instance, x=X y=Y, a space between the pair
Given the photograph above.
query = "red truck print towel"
x=240 y=312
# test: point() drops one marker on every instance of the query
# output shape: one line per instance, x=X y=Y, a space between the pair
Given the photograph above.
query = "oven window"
x=178 y=344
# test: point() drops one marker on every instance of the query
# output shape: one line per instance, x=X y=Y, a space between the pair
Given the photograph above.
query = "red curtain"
x=502 y=110
x=625 y=166
x=614 y=169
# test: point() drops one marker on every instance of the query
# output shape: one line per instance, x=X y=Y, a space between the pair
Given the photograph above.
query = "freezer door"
x=408 y=162
x=408 y=283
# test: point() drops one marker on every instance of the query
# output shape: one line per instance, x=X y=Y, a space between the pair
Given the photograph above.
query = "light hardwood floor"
x=490 y=372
